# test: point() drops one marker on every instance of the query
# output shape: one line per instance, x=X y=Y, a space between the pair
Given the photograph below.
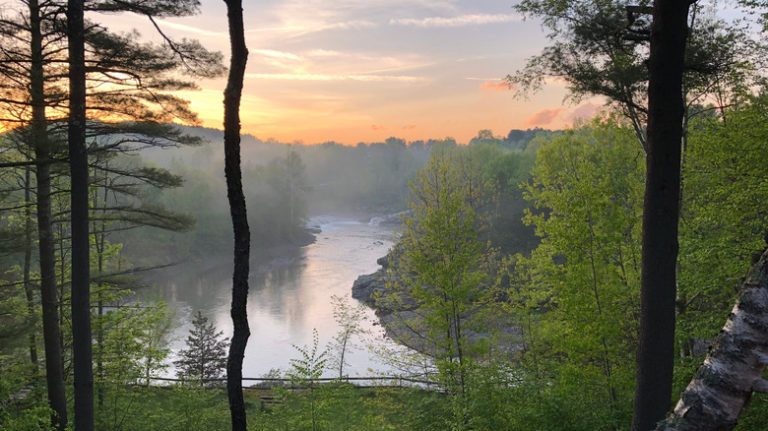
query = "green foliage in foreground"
x=495 y=406
x=344 y=407
x=178 y=408
x=576 y=295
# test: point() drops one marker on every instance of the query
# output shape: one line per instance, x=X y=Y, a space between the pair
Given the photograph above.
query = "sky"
x=363 y=70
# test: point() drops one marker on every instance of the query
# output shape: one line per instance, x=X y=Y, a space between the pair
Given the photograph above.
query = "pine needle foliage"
x=205 y=357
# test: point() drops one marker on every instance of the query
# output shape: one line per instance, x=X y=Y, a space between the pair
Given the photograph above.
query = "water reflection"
x=290 y=293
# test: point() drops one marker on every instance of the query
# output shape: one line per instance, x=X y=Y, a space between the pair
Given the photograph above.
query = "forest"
x=158 y=272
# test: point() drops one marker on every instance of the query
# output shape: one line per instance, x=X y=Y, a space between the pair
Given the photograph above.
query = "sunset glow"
x=364 y=70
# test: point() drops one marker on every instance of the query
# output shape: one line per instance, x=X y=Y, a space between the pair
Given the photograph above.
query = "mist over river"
x=290 y=294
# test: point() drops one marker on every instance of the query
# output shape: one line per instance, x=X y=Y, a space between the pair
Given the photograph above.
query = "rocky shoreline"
x=403 y=324
x=368 y=286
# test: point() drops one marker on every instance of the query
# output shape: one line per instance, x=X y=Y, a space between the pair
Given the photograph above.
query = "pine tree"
x=127 y=83
x=206 y=354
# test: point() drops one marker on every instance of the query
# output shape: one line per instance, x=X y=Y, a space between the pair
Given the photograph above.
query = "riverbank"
x=404 y=323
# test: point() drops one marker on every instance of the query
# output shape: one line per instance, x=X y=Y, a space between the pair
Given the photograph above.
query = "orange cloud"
x=496 y=85
x=584 y=112
x=409 y=127
x=377 y=127
x=543 y=117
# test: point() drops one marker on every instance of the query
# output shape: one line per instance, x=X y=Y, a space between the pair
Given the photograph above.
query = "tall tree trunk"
x=232 y=95
x=82 y=356
x=29 y=289
x=733 y=368
x=54 y=372
x=655 y=359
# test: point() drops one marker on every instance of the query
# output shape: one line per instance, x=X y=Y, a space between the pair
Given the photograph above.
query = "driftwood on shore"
x=732 y=371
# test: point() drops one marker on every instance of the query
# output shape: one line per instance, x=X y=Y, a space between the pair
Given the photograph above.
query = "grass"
x=331 y=406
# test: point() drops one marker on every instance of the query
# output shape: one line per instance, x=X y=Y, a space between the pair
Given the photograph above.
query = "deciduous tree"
x=661 y=210
x=441 y=265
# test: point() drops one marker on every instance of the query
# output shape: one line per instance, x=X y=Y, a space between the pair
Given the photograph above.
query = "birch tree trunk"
x=733 y=369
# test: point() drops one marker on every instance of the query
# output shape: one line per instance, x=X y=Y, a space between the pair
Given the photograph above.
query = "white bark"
x=733 y=369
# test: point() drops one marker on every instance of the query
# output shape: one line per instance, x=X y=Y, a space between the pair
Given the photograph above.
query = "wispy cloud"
x=585 y=112
x=496 y=85
x=324 y=53
x=298 y=18
x=294 y=27
x=543 y=117
x=322 y=64
x=276 y=60
x=330 y=77
x=456 y=21
x=280 y=55
x=190 y=29
x=370 y=62
x=358 y=24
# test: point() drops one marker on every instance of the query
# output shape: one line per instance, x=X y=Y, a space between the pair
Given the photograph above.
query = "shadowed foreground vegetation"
x=343 y=407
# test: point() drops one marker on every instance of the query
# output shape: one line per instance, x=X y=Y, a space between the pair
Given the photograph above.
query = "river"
x=290 y=295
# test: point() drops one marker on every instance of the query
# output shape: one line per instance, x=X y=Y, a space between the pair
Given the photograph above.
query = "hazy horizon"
x=246 y=137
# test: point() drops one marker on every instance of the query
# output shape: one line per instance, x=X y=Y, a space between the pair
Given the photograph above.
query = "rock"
x=304 y=237
x=365 y=286
x=398 y=313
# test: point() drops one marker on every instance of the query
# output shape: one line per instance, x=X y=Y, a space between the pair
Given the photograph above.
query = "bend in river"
x=290 y=294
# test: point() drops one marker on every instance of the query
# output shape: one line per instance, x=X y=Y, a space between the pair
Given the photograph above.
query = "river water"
x=290 y=296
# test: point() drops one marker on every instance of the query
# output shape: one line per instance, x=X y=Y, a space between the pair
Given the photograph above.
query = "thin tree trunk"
x=82 y=355
x=60 y=238
x=607 y=367
x=655 y=359
x=99 y=239
x=733 y=369
x=54 y=372
x=343 y=353
x=29 y=289
x=459 y=350
x=232 y=95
